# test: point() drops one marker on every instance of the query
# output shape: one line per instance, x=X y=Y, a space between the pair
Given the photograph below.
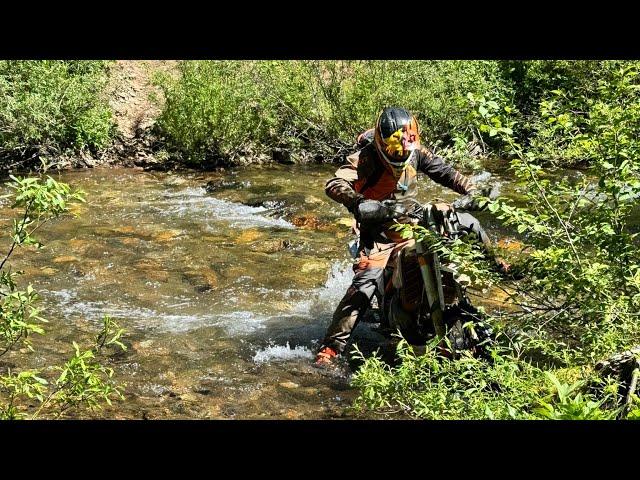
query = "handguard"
x=468 y=202
x=474 y=201
x=375 y=212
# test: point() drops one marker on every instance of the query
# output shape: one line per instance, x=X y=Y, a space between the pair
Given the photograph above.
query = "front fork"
x=432 y=279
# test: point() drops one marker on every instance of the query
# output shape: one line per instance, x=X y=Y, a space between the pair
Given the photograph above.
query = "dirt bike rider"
x=382 y=172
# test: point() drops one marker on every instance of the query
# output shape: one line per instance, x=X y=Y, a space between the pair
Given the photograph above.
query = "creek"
x=224 y=291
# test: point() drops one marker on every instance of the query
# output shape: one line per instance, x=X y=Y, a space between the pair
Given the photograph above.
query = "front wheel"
x=405 y=322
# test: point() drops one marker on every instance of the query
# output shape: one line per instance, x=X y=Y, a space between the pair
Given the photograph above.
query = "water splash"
x=327 y=297
x=195 y=203
x=235 y=323
x=177 y=314
x=282 y=353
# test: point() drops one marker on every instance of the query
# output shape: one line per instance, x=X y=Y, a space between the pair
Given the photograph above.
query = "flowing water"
x=224 y=293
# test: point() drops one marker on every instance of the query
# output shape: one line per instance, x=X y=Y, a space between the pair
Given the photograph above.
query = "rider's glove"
x=373 y=211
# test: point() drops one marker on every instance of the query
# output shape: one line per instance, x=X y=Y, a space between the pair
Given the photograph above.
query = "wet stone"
x=189 y=397
x=269 y=204
x=249 y=236
x=124 y=229
x=157 y=275
x=313 y=200
x=309 y=222
x=270 y=246
x=145 y=344
x=130 y=241
x=213 y=411
x=282 y=156
x=289 y=384
x=223 y=184
x=166 y=236
x=147 y=264
x=79 y=246
x=203 y=280
x=66 y=259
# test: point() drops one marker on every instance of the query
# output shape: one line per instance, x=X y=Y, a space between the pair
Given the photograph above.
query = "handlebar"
x=375 y=212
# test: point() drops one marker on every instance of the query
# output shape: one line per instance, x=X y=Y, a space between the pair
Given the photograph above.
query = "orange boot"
x=325 y=357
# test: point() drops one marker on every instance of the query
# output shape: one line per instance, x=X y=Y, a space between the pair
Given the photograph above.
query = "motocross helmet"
x=396 y=137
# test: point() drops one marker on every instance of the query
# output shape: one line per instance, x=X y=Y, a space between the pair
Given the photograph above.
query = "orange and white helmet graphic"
x=396 y=137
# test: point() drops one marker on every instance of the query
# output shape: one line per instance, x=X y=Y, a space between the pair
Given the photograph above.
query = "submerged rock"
x=65 y=259
x=223 y=184
x=481 y=177
x=130 y=241
x=289 y=384
x=313 y=200
x=347 y=222
x=189 y=397
x=210 y=277
x=79 y=246
x=166 y=236
x=147 y=264
x=203 y=280
x=248 y=236
x=124 y=229
x=270 y=246
x=146 y=344
x=308 y=221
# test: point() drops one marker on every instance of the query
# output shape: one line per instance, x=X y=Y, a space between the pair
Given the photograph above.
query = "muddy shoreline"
x=142 y=152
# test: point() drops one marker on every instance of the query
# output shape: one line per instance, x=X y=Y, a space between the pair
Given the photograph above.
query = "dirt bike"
x=424 y=298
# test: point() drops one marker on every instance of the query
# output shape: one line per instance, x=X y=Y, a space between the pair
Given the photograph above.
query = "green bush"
x=52 y=106
x=217 y=108
x=584 y=275
x=432 y=387
x=580 y=298
x=554 y=99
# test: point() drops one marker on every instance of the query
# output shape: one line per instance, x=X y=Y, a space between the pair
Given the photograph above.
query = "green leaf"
x=489 y=413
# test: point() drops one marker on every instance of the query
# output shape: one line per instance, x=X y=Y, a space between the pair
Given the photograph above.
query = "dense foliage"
x=579 y=300
x=218 y=111
x=49 y=107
